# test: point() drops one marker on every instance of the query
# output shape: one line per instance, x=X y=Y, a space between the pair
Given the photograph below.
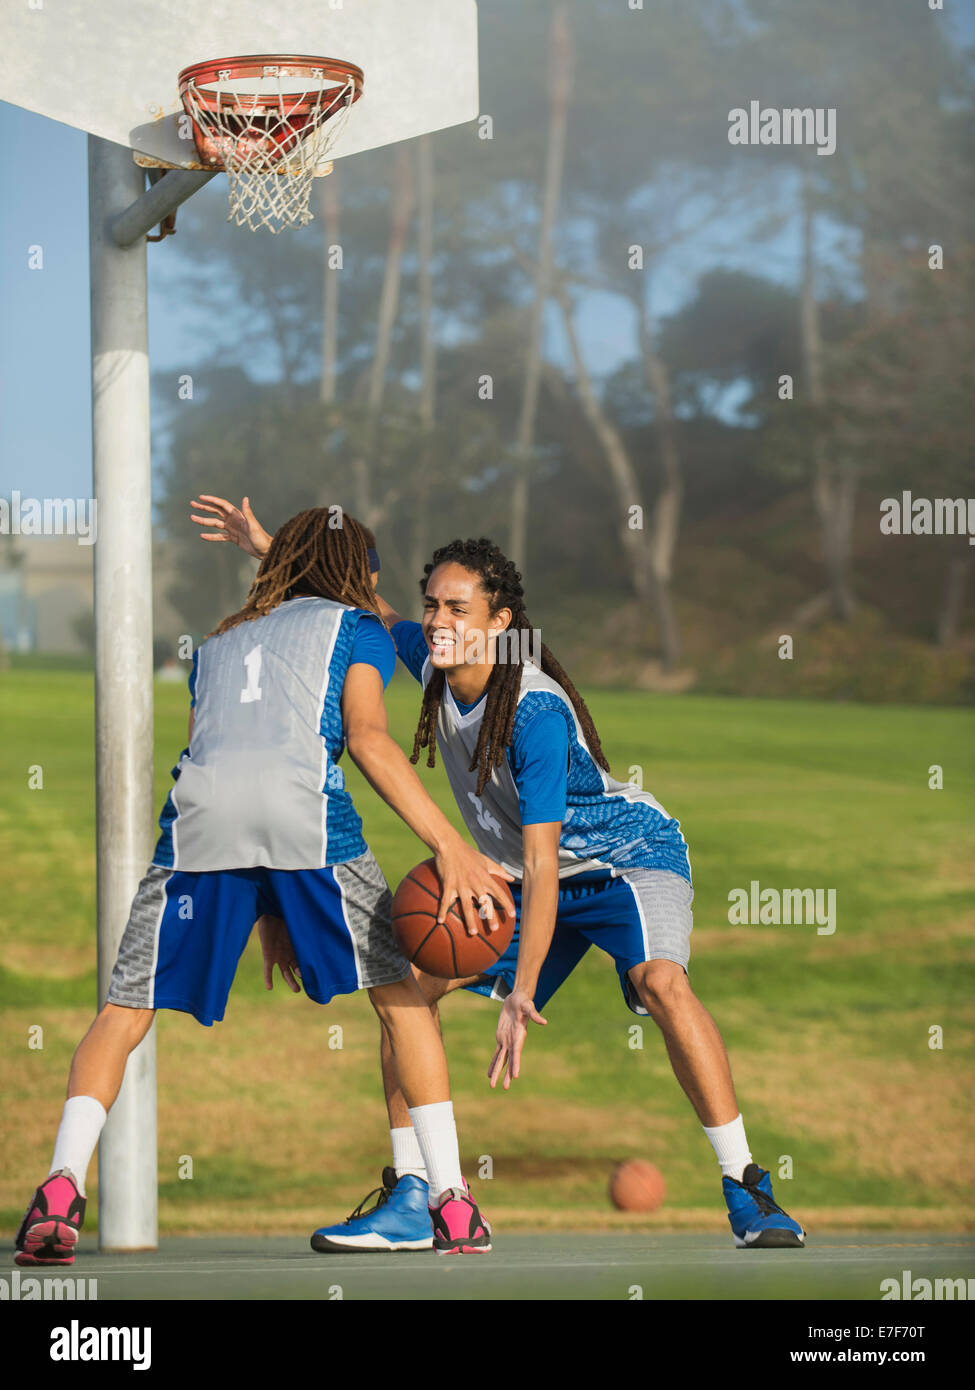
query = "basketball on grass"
x=637 y=1186
x=446 y=950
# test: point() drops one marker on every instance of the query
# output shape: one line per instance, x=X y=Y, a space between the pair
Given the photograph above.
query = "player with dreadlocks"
x=596 y=861
x=259 y=822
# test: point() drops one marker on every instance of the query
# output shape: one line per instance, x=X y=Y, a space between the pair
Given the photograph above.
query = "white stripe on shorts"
x=663 y=901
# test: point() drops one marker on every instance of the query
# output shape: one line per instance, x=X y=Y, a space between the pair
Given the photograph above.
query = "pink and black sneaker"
x=458 y=1226
x=49 y=1231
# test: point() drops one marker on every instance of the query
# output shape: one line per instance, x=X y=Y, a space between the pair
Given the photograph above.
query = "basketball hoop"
x=270 y=121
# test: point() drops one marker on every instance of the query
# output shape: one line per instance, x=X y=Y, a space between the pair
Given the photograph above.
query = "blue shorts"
x=641 y=914
x=187 y=932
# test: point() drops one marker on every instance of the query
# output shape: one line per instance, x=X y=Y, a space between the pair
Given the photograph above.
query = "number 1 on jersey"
x=252 y=690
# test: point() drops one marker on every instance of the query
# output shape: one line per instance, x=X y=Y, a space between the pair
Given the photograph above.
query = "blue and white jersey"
x=548 y=775
x=260 y=782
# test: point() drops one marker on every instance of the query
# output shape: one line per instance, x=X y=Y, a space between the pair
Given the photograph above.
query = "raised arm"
x=241 y=526
x=230 y=523
x=389 y=615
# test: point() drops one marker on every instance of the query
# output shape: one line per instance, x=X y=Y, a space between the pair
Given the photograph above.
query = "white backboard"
x=110 y=66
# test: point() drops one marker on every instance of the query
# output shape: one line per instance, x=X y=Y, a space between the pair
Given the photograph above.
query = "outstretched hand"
x=230 y=523
x=516 y=1014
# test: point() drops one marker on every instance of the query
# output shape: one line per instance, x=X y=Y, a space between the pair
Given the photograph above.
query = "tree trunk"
x=331 y=208
x=953 y=599
x=645 y=575
x=834 y=490
x=368 y=511
x=419 y=550
x=402 y=207
x=331 y=204
x=560 y=86
x=834 y=481
x=665 y=523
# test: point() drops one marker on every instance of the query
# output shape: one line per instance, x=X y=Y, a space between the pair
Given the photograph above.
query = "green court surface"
x=527 y=1267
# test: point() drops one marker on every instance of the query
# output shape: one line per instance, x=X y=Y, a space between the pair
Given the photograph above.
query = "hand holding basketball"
x=436 y=938
x=470 y=878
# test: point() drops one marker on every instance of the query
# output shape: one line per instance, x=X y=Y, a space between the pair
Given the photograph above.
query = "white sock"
x=731 y=1147
x=81 y=1124
x=407 y=1156
x=436 y=1135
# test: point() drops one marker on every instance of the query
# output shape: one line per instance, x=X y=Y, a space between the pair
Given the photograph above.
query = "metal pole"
x=123 y=665
x=156 y=203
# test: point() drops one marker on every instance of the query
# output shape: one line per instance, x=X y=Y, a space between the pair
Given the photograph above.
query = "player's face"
x=457 y=621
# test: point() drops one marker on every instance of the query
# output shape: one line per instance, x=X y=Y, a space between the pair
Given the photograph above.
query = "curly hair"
x=501 y=584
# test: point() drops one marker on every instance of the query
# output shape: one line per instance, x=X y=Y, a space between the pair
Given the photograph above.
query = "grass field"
x=828 y=1035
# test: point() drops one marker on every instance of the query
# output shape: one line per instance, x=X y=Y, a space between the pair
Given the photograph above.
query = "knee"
x=433 y=989
x=662 y=987
x=387 y=999
x=130 y=1024
x=409 y=992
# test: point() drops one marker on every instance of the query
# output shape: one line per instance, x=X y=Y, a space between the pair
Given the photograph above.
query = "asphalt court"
x=562 y=1266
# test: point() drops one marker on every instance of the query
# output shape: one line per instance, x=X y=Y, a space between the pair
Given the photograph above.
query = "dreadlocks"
x=310 y=557
x=501 y=583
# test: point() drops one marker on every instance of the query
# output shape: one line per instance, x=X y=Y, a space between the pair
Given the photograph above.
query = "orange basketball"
x=446 y=950
x=636 y=1185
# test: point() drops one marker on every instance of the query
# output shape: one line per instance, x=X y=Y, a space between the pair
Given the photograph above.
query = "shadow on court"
x=523 y=1267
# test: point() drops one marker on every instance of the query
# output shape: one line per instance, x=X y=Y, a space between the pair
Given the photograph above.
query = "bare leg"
x=693 y=1042
x=432 y=989
x=414 y=1040
x=99 y=1062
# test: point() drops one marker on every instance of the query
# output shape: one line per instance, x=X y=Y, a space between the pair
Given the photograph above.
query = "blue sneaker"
x=757 y=1221
x=399 y=1220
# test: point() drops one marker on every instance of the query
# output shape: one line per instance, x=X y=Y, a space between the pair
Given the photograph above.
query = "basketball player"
x=259 y=821
x=597 y=862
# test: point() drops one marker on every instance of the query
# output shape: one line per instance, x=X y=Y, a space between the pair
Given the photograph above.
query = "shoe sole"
x=326 y=1245
x=772 y=1240
x=463 y=1247
x=50 y=1241
x=34 y=1261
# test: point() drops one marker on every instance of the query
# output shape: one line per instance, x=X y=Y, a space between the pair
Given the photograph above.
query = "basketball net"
x=271 y=145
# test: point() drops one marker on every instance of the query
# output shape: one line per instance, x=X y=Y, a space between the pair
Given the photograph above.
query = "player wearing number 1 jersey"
x=259 y=821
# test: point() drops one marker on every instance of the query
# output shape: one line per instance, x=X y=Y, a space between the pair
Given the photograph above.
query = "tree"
x=893 y=81
x=559 y=88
